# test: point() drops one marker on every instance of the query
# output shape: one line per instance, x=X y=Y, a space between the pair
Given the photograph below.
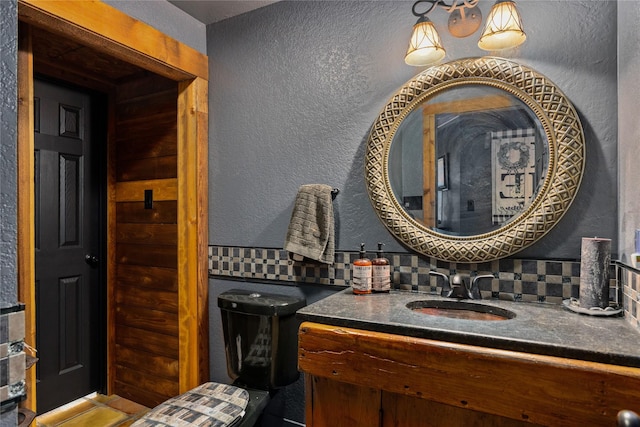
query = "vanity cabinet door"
x=336 y=404
x=407 y=411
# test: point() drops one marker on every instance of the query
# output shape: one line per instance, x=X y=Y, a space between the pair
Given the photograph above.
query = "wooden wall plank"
x=112 y=267
x=147 y=169
x=150 y=127
x=147 y=341
x=161 y=279
x=147 y=319
x=164 y=104
x=161 y=145
x=133 y=191
x=146 y=239
x=139 y=297
x=151 y=364
x=61 y=72
x=163 y=212
x=158 y=87
x=138 y=394
x=163 y=387
x=149 y=255
x=78 y=62
x=70 y=61
x=147 y=234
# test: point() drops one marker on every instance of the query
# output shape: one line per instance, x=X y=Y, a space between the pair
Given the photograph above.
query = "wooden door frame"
x=106 y=29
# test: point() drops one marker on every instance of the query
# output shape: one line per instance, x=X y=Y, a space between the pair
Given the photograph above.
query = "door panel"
x=68 y=289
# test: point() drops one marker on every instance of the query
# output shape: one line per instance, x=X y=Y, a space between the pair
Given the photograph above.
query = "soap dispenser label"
x=362 y=278
x=381 y=278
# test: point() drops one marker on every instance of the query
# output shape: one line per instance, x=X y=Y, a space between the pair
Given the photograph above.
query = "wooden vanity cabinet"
x=355 y=377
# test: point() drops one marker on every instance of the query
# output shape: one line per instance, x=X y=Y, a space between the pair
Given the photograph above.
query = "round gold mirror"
x=474 y=160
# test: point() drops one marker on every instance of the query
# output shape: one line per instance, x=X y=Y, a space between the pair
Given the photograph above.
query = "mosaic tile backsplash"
x=629 y=282
x=12 y=356
x=514 y=279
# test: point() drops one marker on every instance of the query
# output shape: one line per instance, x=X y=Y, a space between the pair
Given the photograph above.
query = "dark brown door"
x=69 y=224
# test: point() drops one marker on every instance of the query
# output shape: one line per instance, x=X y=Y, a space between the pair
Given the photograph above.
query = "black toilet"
x=261 y=346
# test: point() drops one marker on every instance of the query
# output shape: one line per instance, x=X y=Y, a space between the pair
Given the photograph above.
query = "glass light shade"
x=503 y=29
x=425 y=47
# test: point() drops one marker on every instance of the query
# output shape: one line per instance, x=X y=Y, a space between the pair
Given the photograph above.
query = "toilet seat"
x=258 y=401
x=210 y=404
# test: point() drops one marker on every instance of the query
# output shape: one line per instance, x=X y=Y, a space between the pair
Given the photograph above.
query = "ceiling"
x=210 y=11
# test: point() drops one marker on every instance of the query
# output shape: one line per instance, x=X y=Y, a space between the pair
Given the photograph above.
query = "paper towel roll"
x=594 y=272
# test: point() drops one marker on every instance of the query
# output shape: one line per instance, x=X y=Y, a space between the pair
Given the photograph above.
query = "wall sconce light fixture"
x=425 y=46
x=502 y=30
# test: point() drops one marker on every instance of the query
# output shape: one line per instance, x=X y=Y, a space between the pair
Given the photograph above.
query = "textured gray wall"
x=8 y=153
x=8 y=163
x=628 y=124
x=167 y=18
x=295 y=87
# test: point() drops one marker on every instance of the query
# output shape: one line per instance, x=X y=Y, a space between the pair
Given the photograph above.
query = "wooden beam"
x=26 y=202
x=108 y=30
x=192 y=232
x=202 y=232
x=482 y=103
x=540 y=389
x=429 y=190
x=133 y=191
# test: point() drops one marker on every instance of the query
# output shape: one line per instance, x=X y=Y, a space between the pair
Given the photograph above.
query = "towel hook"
x=334 y=193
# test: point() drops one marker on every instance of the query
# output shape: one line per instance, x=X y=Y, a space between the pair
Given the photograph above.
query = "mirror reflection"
x=468 y=160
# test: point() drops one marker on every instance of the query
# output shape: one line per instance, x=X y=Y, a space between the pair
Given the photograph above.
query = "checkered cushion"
x=208 y=405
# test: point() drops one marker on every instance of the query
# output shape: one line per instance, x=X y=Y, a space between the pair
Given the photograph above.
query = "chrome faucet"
x=457 y=287
x=475 y=287
x=446 y=288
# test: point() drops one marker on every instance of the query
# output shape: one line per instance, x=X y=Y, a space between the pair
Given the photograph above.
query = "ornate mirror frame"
x=561 y=126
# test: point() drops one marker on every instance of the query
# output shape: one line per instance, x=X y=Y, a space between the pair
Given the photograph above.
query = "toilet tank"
x=260 y=337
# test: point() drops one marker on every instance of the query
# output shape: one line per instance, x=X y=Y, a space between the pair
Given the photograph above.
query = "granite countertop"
x=539 y=328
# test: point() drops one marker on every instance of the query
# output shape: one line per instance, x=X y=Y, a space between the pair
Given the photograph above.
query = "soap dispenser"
x=361 y=282
x=381 y=272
